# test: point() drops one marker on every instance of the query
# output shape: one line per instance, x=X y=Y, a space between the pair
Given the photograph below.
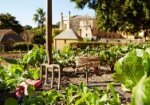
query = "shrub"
x=84 y=45
x=22 y=46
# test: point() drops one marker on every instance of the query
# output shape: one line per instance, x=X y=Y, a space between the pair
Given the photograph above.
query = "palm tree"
x=39 y=18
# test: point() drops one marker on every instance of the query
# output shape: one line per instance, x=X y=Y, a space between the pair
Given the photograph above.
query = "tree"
x=39 y=17
x=119 y=15
x=38 y=37
x=55 y=32
x=7 y=21
x=27 y=27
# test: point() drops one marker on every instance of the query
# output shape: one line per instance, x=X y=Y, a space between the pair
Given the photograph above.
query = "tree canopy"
x=27 y=27
x=39 y=17
x=7 y=21
x=119 y=15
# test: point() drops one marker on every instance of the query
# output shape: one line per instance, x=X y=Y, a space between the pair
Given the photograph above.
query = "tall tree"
x=119 y=15
x=39 y=17
x=7 y=21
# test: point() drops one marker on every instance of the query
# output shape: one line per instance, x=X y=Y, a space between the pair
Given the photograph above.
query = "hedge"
x=22 y=46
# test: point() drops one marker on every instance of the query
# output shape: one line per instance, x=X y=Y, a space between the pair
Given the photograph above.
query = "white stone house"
x=82 y=25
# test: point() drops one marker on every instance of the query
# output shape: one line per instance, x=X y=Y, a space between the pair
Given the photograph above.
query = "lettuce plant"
x=141 y=92
x=131 y=68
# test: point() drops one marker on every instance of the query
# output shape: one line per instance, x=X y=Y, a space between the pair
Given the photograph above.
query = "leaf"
x=141 y=92
x=11 y=101
x=131 y=68
x=31 y=90
x=82 y=99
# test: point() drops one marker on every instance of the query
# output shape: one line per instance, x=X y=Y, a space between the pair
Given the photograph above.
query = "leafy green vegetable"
x=141 y=92
x=34 y=57
x=131 y=68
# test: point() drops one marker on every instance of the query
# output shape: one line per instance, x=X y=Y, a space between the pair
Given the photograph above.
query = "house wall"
x=61 y=43
x=86 y=28
x=83 y=27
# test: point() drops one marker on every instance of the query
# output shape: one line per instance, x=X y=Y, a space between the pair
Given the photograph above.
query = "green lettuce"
x=141 y=92
x=132 y=67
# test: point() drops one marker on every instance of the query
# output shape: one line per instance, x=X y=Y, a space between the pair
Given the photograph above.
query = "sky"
x=23 y=10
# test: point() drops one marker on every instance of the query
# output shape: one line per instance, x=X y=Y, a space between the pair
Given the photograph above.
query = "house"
x=82 y=25
x=7 y=38
x=64 y=38
x=85 y=27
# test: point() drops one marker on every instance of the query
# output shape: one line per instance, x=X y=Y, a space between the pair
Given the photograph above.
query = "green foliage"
x=11 y=101
x=27 y=27
x=84 y=45
x=64 y=57
x=9 y=60
x=8 y=21
x=140 y=93
x=19 y=70
x=55 y=32
x=131 y=68
x=129 y=71
x=74 y=95
x=35 y=57
x=110 y=56
x=39 y=17
x=12 y=75
x=119 y=15
x=22 y=46
x=38 y=39
x=2 y=76
x=32 y=73
x=83 y=96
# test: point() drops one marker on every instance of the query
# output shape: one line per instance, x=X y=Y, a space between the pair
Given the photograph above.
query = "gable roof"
x=67 y=34
x=9 y=36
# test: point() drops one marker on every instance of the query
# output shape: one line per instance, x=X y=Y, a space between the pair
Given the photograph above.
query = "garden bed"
x=100 y=80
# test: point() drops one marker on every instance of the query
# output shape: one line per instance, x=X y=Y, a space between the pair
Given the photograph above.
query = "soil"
x=99 y=79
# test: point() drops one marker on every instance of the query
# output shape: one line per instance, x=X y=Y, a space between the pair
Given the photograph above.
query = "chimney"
x=69 y=20
x=62 y=22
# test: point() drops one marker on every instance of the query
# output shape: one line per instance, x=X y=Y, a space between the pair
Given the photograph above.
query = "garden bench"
x=51 y=68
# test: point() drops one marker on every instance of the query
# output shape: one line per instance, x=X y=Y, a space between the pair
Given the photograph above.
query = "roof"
x=9 y=35
x=67 y=34
x=79 y=17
